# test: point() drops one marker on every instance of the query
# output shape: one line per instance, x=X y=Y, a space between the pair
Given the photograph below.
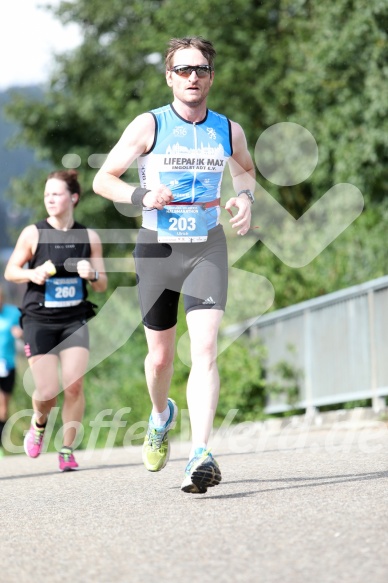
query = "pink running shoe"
x=67 y=460
x=33 y=441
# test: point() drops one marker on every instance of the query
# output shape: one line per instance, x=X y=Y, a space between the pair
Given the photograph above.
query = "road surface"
x=298 y=505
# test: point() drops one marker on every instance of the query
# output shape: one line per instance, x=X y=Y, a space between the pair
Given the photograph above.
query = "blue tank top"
x=189 y=158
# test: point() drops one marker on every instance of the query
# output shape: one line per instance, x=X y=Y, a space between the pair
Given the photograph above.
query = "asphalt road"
x=297 y=506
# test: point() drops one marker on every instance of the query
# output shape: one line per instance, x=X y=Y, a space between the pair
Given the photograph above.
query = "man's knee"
x=160 y=360
x=205 y=352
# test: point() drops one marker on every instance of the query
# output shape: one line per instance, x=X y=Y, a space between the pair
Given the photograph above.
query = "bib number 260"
x=62 y=292
x=65 y=292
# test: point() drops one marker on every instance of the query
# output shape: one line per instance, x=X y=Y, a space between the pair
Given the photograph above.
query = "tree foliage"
x=319 y=64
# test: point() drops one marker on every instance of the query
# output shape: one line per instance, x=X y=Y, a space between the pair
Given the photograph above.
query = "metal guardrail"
x=339 y=344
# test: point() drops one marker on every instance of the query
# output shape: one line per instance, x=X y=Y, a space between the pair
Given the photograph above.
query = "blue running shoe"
x=202 y=472
x=156 y=447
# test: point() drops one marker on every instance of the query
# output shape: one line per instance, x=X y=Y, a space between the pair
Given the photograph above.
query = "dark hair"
x=71 y=179
x=196 y=42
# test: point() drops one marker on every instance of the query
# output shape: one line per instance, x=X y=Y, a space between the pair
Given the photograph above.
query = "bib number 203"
x=182 y=224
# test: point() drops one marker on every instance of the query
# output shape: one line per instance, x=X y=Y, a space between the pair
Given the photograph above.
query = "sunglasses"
x=186 y=70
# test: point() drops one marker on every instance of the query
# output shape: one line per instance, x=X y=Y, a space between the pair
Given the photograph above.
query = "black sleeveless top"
x=63 y=296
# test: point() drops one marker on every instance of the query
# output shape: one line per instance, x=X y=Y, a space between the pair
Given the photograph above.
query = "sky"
x=29 y=36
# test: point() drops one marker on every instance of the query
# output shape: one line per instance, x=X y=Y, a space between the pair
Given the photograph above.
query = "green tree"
x=319 y=64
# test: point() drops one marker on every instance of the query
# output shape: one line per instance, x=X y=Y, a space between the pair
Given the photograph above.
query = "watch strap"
x=249 y=194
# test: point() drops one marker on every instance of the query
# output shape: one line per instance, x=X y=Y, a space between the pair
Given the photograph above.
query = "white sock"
x=160 y=419
x=196 y=446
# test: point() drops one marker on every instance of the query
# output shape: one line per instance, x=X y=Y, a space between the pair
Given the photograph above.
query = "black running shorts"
x=164 y=270
x=43 y=337
x=7 y=383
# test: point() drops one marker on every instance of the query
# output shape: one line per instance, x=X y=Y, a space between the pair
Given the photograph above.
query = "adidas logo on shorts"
x=208 y=301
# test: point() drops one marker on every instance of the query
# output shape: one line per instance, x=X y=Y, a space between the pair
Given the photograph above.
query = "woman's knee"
x=47 y=397
x=74 y=390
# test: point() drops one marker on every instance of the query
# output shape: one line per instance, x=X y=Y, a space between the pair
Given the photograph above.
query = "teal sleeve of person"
x=9 y=317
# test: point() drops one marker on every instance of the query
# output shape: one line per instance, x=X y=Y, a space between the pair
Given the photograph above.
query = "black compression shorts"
x=7 y=383
x=43 y=337
x=198 y=270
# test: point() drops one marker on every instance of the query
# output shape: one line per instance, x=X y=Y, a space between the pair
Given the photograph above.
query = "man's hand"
x=242 y=220
x=158 y=198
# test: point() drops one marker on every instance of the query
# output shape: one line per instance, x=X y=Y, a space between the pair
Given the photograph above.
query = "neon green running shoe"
x=156 y=447
x=202 y=472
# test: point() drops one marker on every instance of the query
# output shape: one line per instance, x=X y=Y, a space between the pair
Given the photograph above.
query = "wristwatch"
x=249 y=194
x=97 y=275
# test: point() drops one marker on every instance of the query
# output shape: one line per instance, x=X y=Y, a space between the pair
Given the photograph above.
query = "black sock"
x=39 y=426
